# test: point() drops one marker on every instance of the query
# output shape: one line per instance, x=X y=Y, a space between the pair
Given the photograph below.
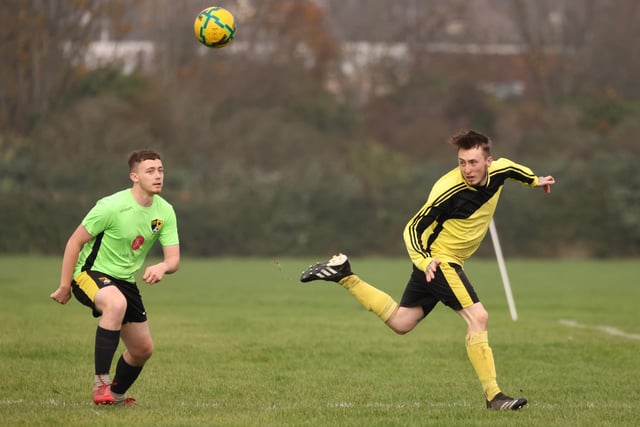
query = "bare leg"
x=404 y=319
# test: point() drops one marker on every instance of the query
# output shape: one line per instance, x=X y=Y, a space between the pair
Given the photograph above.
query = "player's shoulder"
x=162 y=202
x=503 y=165
x=450 y=183
x=116 y=199
x=500 y=163
x=162 y=207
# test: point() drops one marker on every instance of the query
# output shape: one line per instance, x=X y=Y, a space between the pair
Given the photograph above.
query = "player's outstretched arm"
x=79 y=237
x=546 y=182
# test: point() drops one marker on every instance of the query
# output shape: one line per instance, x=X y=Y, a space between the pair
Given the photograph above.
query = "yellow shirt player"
x=445 y=232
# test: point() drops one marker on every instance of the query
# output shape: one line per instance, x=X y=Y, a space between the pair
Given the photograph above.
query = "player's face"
x=474 y=165
x=149 y=175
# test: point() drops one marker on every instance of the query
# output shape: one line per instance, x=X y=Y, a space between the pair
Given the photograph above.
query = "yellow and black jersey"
x=455 y=219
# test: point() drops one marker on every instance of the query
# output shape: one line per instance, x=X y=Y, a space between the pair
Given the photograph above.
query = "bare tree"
x=579 y=46
x=43 y=43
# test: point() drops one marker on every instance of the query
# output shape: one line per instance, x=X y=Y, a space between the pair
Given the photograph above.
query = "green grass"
x=240 y=342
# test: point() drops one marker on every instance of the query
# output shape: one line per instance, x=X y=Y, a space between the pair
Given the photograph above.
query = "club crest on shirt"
x=156 y=225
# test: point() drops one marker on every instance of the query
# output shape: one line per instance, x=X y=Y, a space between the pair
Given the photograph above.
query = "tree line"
x=291 y=142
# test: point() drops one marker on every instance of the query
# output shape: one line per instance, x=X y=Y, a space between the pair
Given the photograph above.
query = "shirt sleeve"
x=169 y=232
x=416 y=227
x=517 y=172
x=98 y=218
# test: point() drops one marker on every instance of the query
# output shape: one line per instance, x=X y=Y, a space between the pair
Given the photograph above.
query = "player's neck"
x=144 y=198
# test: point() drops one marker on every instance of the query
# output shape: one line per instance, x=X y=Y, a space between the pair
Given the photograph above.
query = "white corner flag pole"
x=503 y=270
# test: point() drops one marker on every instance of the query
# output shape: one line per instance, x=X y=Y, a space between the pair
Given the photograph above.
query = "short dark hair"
x=470 y=139
x=138 y=156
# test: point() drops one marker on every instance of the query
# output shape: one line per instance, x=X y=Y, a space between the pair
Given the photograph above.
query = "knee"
x=401 y=327
x=110 y=301
x=145 y=351
x=140 y=353
x=119 y=305
x=481 y=318
x=404 y=319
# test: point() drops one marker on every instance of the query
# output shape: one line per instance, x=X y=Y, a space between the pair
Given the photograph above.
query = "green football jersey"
x=123 y=233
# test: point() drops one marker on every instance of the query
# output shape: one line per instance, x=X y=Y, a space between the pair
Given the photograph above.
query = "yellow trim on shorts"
x=87 y=285
x=456 y=285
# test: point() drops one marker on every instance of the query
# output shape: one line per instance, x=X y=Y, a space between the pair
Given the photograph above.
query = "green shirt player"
x=445 y=232
x=99 y=263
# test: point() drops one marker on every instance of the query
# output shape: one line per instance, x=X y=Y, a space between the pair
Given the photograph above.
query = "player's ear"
x=133 y=176
x=489 y=160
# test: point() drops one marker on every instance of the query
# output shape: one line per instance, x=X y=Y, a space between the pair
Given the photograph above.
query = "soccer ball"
x=215 y=27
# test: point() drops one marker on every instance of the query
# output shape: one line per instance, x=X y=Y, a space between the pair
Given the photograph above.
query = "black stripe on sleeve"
x=516 y=173
x=91 y=259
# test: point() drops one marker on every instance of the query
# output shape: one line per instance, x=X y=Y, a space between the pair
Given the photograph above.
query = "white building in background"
x=129 y=54
x=358 y=59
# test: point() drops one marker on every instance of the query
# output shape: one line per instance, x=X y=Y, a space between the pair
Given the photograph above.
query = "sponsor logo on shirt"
x=137 y=243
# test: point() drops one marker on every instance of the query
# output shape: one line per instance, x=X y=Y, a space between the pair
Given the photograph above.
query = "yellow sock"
x=371 y=298
x=481 y=358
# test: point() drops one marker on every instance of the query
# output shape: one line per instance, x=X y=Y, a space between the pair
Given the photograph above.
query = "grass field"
x=240 y=342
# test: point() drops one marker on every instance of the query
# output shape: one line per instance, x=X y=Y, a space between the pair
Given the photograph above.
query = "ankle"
x=101 y=379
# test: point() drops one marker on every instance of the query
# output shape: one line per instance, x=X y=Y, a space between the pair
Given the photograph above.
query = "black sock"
x=125 y=376
x=106 y=345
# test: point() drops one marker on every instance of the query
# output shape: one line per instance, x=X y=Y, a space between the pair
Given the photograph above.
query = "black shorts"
x=86 y=285
x=450 y=286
